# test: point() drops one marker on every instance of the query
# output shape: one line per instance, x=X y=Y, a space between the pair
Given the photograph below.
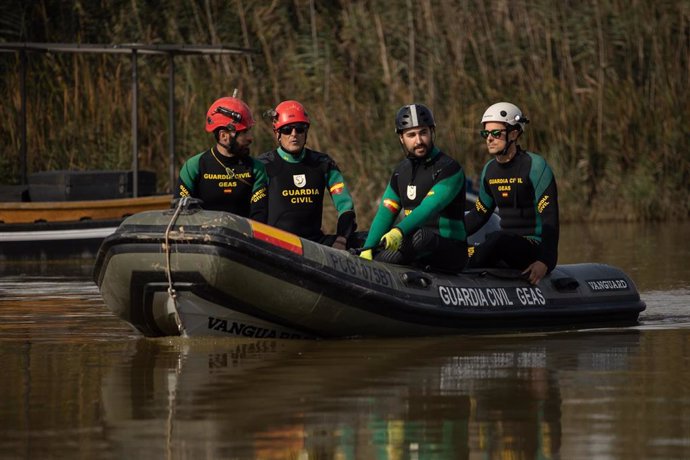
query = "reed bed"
x=605 y=83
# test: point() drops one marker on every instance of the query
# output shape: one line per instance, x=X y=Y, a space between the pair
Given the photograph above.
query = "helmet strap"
x=230 y=147
x=505 y=149
x=509 y=129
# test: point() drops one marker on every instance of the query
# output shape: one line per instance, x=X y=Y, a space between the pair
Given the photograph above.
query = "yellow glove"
x=367 y=254
x=392 y=240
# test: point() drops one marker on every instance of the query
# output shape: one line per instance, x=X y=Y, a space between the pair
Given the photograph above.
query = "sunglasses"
x=299 y=128
x=495 y=133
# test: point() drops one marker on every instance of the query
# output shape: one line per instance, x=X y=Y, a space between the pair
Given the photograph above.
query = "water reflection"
x=73 y=268
x=654 y=254
x=580 y=394
x=56 y=309
x=364 y=399
x=79 y=383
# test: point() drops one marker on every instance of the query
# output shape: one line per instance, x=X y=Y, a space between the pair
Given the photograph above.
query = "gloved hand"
x=392 y=240
x=366 y=254
x=340 y=243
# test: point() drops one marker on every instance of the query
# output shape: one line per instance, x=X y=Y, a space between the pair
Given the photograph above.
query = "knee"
x=390 y=257
x=424 y=240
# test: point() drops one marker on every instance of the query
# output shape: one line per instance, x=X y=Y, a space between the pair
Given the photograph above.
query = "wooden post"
x=135 y=130
x=171 y=118
x=22 y=121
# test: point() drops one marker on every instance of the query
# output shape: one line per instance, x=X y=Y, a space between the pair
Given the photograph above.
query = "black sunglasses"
x=299 y=128
x=495 y=133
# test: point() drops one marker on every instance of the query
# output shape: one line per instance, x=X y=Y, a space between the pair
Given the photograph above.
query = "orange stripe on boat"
x=277 y=237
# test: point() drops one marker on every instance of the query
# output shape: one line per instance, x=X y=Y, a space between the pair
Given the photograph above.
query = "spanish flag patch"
x=337 y=189
x=391 y=205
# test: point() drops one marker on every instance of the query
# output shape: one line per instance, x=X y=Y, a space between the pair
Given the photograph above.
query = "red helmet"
x=229 y=111
x=288 y=112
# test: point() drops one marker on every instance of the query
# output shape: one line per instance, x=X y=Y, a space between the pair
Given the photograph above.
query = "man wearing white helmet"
x=428 y=188
x=523 y=188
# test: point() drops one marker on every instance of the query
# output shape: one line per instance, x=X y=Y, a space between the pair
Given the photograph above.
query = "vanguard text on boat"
x=199 y=272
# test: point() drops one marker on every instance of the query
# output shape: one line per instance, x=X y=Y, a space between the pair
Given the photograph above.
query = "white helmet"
x=505 y=112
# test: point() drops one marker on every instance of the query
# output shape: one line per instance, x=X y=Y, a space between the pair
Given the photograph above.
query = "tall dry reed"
x=604 y=82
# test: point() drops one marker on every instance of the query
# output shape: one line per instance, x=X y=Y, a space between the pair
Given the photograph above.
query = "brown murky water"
x=78 y=383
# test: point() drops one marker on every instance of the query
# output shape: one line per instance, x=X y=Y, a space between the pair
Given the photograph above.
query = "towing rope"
x=172 y=294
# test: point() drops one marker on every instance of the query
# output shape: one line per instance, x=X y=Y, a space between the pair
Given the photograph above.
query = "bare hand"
x=535 y=271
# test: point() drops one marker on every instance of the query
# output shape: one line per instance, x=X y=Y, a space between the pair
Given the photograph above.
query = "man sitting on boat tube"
x=225 y=177
x=428 y=187
x=298 y=178
x=523 y=187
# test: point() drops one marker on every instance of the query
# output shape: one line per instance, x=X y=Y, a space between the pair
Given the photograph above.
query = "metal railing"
x=134 y=50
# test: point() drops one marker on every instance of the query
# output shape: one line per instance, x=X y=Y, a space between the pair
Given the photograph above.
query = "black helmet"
x=413 y=115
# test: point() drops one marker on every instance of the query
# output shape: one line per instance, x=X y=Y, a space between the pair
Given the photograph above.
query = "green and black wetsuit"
x=430 y=192
x=233 y=184
x=524 y=190
x=296 y=188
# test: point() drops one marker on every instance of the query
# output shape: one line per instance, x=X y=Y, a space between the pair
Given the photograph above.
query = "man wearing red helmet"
x=225 y=177
x=298 y=178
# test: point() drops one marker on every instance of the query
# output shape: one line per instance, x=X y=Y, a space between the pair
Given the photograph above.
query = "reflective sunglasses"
x=495 y=133
x=299 y=128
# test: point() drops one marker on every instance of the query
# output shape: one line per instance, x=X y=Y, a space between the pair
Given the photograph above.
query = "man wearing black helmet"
x=428 y=187
x=522 y=186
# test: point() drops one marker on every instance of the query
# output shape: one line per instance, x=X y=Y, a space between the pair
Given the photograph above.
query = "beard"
x=427 y=148
x=240 y=151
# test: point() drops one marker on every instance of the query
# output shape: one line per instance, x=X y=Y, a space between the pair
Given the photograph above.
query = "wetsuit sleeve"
x=440 y=196
x=342 y=200
x=388 y=210
x=258 y=209
x=186 y=183
x=338 y=190
x=546 y=204
x=483 y=207
x=346 y=224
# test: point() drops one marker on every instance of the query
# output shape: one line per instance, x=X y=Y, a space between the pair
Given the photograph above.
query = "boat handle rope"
x=172 y=294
